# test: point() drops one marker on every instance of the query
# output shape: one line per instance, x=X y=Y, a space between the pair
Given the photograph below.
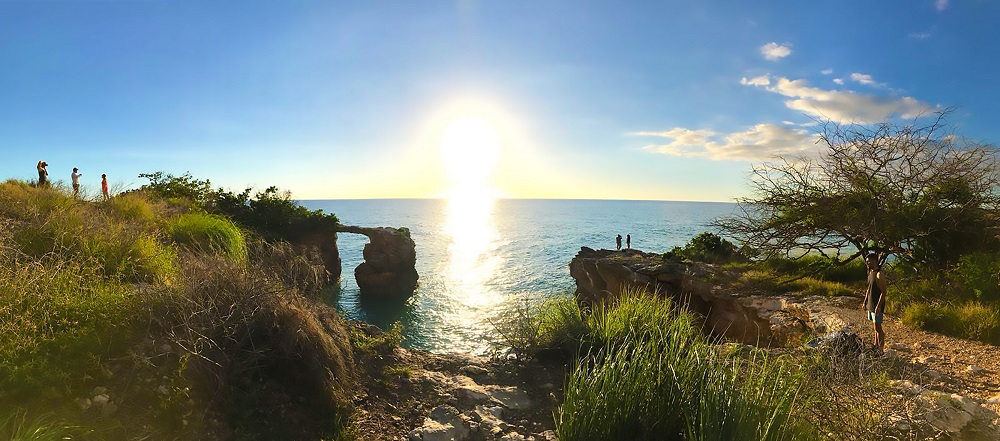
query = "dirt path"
x=968 y=368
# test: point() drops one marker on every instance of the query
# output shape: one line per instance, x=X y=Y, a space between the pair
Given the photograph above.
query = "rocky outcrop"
x=389 y=269
x=752 y=319
x=320 y=246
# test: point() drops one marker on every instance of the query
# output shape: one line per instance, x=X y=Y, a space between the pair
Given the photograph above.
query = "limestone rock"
x=510 y=397
x=445 y=423
x=974 y=370
x=759 y=320
x=389 y=269
x=925 y=359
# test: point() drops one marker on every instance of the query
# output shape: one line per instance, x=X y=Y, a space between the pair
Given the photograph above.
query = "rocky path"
x=430 y=397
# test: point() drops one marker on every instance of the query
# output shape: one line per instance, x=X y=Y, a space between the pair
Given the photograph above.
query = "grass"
x=970 y=319
x=771 y=282
x=17 y=427
x=209 y=232
x=54 y=313
x=650 y=374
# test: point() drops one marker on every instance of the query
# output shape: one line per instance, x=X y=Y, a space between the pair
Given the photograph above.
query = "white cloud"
x=762 y=80
x=761 y=142
x=862 y=78
x=920 y=35
x=941 y=5
x=844 y=106
x=839 y=81
x=826 y=71
x=774 y=51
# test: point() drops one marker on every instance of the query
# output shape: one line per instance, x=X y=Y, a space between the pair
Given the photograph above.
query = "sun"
x=470 y=148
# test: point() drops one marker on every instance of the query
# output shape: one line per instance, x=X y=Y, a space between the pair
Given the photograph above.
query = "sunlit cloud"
x=826 y=71
x=941 y=5
x=844 y=106
x=761 y=142
x=839 y=81
x=774 y=51
x=865 y=79
x=756 y=81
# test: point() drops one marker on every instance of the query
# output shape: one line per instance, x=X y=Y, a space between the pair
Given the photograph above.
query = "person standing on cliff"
x=628 y=241
x=76 y=181
x=874 y=301
x=104 y=186
x=43 y=174
x=618 y=242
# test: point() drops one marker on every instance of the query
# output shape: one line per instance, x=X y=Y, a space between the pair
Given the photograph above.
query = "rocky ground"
x=425 y=396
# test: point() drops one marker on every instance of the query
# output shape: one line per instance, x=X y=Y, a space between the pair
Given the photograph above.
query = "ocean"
x=479 y=258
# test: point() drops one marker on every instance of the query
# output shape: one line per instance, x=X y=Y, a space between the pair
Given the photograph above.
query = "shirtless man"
x=874 y=301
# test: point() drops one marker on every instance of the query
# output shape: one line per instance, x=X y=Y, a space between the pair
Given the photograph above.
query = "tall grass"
x=650 y=374
x=209 y=232
x=971 y=319
x=17 y=427
x=54 y=313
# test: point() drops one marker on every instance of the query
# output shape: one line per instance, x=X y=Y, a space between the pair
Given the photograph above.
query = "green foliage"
x=55 y=313
x=819 y=267
x=209 y=232
x=17 y=427
x=979 y=273
x=271 y=213
x=710 y=248
x=166 y=186
x=132 y=207
x=970 y=320
x=652 y=375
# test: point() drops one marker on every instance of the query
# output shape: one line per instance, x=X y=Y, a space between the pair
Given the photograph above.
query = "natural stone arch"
x=390 y=259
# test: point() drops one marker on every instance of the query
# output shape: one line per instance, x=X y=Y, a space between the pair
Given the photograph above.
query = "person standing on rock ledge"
x=618 y=242
x=628 y=241
x=874 y=301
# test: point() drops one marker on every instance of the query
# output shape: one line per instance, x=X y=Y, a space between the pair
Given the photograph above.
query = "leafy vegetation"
x=164 y=306
x=709 y=247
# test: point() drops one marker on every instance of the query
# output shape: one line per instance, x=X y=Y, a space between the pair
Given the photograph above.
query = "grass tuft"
x=209 y=232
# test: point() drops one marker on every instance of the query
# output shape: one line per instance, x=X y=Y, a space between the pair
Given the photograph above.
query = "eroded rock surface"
x=739 y=316
x=389 y=269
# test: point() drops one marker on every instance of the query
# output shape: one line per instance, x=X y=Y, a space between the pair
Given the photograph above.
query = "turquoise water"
x=477 y=258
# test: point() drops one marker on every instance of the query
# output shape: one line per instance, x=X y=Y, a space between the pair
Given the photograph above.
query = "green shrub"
x=979 y=321
x=209 y=232
x=980 y=274
x=132 y=207
x=819 y=267
x=710 y=248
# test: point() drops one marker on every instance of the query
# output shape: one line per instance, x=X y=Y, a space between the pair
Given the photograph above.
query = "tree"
x=916 y=191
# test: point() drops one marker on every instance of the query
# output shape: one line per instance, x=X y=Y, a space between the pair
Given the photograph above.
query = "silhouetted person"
x=875 y=298
x=628 y=241
x=104 y=186
x=76 y=181
x=43 y=174
x=618 y=242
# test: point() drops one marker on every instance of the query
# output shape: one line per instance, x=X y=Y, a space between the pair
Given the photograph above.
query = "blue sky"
x=669 y=100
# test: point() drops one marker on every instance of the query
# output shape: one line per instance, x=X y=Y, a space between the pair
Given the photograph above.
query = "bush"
x=710 y=248
x=820 y=267
x=211 y=233
x=980 y=274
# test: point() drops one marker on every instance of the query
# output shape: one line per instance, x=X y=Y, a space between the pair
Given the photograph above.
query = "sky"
x=660 y=100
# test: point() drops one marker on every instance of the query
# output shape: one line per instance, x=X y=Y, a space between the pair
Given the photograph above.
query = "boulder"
x=445 y=423
x=389 y=269
x=601 y=275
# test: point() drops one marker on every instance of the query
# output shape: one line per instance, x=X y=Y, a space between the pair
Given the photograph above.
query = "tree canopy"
x=916 y=191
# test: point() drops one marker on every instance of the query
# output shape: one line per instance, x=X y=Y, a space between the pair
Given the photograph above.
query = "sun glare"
x=470 y=148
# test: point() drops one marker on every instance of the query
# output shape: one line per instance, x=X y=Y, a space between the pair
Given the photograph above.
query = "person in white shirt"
x=76 y=181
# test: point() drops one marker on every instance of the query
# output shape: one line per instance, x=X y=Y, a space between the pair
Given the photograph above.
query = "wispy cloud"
x=762 y=80
x=826 y=71
x=839 y=81
x=843 y=106
x=941 y=5
x=774 y=51
x=865 y=79
x=920 y=35
x=761 y=142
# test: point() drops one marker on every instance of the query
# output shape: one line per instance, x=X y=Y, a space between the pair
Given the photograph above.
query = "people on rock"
x=628 y=241
x=618 y=242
